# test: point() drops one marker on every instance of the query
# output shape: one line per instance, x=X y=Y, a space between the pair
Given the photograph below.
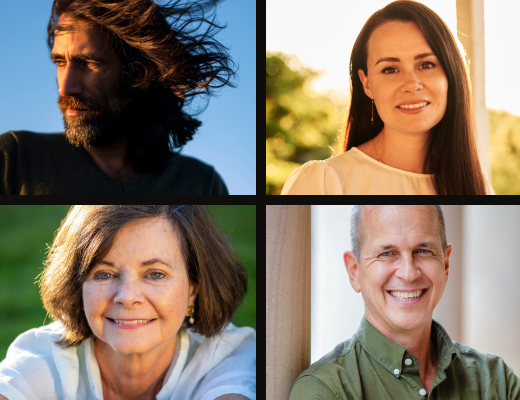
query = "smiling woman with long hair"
x=410 y=127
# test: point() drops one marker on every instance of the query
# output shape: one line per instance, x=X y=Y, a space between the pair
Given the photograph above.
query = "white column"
x=470 y=27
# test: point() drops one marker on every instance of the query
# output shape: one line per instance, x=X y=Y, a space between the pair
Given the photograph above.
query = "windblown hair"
x=452 y=155
x=358 y=233
x=86 y=236
x=179 y=62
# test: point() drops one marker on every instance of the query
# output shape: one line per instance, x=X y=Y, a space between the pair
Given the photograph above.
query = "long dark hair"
x=452 y=155
x=160 y=44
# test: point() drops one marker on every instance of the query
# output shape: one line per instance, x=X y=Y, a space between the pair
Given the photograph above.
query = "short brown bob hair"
x=85 y=237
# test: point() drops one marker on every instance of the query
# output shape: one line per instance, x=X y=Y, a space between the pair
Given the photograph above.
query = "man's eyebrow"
x=143 y=264
x=63 y=28
x=81 y=57
x=428 y=244
x=417 y=57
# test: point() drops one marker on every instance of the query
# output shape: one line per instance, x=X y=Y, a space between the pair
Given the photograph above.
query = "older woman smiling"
x=123 y=283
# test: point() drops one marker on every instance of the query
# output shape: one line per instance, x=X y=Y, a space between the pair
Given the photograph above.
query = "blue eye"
x=157 y=273
x=100 y=274
x=383 y=254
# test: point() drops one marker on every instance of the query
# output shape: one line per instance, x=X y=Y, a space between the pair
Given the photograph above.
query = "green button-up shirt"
x=371 y=366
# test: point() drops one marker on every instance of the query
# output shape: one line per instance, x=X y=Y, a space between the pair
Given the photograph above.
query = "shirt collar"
x=391 y=355
x=446 y=350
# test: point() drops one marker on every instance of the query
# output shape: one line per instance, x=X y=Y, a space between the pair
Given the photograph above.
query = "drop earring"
x=191 y=311
x=372 y=111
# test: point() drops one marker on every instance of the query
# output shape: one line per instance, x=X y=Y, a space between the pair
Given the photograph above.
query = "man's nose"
x=408 y=269
x=70 y=82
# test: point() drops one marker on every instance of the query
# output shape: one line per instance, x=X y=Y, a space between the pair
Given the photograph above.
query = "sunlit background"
x=308 y=36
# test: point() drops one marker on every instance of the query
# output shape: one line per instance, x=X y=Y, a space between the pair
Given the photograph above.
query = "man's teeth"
x=407 y=296
x=414 y=105
x=141 y=321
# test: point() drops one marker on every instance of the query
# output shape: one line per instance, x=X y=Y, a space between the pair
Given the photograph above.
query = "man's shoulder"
x=183 y=161
x=27 y=139
x=327 y=366
x=192 y=176
x=323 y=376
x=471 y=357
x=30 y=135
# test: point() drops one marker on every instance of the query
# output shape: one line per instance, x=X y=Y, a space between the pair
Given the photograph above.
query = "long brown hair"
x=85 y=237
x=173 y=47
x=452 y=154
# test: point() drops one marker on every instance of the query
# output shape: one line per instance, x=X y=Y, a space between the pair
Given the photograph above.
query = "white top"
x=354 y=172
x=201 y=369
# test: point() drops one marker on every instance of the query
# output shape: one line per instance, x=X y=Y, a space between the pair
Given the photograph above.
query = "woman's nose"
x=128 y=293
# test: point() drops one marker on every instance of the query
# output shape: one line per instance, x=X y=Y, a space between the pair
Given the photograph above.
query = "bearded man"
x=124 y=74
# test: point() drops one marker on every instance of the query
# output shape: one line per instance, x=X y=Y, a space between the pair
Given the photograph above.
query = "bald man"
x=400 y=264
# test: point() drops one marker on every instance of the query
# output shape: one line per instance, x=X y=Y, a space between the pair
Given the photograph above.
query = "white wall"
x=492 y=277
x=336 y=309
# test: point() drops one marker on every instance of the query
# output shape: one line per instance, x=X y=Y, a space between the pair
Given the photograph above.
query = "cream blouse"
x=356 y=173
x=201 y=369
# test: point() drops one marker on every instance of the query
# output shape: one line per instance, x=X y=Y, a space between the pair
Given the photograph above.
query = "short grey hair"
x=357 y=230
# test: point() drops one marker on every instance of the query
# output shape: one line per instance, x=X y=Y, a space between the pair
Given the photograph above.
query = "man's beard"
x=101 y=124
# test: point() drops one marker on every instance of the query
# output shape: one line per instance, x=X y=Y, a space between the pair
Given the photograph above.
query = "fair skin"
x=133 y=362
x=404 y=139
x=86 y=84
x=404 y=267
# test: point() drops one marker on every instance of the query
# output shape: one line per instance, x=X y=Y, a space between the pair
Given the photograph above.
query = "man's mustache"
x=75 y=103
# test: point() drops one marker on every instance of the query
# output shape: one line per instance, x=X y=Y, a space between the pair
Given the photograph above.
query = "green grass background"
x=25 y=232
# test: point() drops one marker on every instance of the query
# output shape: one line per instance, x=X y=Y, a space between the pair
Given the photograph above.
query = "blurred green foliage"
x=26 y=231
x=504 y=143
x=299 y=124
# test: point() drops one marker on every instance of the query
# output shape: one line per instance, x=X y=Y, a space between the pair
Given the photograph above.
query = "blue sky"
x=226 y=139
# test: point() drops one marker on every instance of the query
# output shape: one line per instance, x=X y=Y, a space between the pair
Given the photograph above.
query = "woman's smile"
x=414 y=110
x=130 y=324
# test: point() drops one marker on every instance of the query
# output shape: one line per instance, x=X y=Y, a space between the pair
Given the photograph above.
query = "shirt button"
x=396 y=371
x=408 y=361
x=422 y=392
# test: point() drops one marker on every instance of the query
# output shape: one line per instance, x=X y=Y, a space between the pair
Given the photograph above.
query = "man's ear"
x=352 y=268
x=447 y=260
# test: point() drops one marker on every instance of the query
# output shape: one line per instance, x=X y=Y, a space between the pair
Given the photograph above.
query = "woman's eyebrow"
x=394 y=59
x=143 y=264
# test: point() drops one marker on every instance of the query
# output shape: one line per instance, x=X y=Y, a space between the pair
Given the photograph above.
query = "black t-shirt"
x=40 y=163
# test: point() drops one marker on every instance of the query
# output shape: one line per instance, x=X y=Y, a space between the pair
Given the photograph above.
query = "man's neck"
x=113 y=160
